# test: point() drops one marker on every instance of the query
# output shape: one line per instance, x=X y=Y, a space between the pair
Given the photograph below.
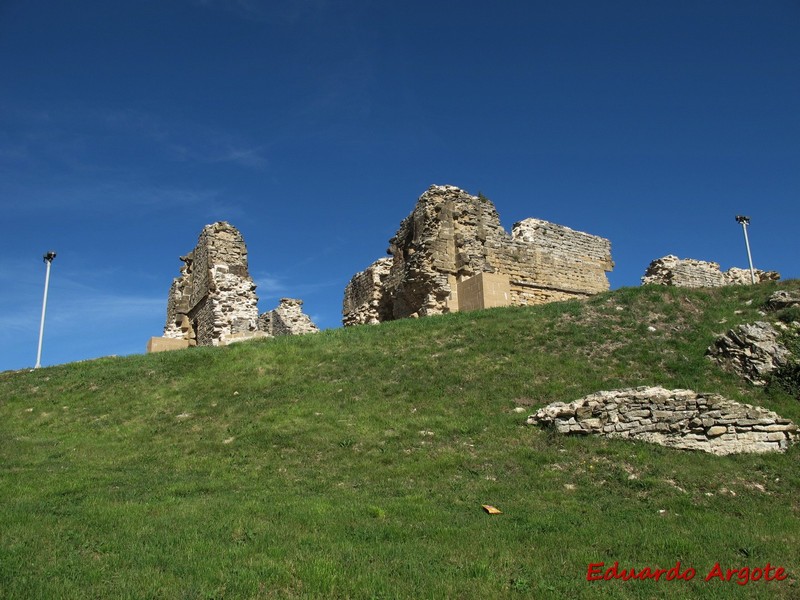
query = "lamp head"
x=742 y=219
x=49 y=256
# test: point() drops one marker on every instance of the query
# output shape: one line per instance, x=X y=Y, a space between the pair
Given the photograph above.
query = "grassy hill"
x=354 y=463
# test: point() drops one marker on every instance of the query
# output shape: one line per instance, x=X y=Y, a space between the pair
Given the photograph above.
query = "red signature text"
x=741 y=575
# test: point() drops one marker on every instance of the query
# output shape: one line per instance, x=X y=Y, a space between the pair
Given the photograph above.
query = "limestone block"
x=783 y=299
x=484 y=290
x=242 y=336
x=164 y=344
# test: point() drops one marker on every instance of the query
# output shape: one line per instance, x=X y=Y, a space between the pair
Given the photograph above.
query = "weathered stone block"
x=637 y=414
x=164 y=344
x=484 y=290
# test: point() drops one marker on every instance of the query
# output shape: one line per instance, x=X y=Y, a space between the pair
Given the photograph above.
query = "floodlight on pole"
x=745 y=221
x=48 y=258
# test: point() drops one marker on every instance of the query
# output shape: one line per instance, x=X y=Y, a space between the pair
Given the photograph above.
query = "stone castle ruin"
x=688 y=272
x=213 y=302
x=451 y=254
x=287 y=319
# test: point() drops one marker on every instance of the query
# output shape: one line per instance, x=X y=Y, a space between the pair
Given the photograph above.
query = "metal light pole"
x=48 y=258
x=745 y=221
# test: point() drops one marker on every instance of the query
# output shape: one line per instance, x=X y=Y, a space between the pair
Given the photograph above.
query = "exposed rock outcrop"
x=753 y=350
x=676 y=418
x=451 y=253
x=782 y=299
x=689 y=272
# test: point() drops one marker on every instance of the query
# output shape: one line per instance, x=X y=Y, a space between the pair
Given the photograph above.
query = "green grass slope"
x=354 y=463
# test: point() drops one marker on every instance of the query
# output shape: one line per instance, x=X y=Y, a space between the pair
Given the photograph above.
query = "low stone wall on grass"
x=676 y=418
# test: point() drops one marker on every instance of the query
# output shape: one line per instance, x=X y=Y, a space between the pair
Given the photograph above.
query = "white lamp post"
x=745 y=221
x=48 y=258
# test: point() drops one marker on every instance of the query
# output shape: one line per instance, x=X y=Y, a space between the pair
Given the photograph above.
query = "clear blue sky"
x=313 y=126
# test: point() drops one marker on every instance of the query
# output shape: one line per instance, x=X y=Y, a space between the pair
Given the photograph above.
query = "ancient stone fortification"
x=287 y=319
x=677 y=418
x=451 y=254
x=214 y=301
x=364 y=296
x=214 y=297
x=688 y=272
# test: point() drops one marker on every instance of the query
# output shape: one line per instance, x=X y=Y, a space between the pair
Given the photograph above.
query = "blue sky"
x=313 y=126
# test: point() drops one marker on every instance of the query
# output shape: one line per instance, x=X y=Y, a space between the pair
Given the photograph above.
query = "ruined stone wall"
x=676 y=418
x=287 y=319
x=177 y=325
x=737 y=276
x=452 y=236
x=442 y=240
x=689 y=272
x=568 y=260
x=215 y=295
x=213 y=302
x=363 y=302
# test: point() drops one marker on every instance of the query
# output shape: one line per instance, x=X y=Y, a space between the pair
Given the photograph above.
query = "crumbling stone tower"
x=215 y=297
x=452 y=254
x=214 y=301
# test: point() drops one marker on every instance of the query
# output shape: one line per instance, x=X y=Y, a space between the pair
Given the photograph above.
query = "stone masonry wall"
x=287 y=319
x=737 y=276
x=676 y=418
x=213 y=302
x=570 y=263
x=452 y=236
x=364 y=301
x=215 y=293
x=689 y=272
x=178 y=324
